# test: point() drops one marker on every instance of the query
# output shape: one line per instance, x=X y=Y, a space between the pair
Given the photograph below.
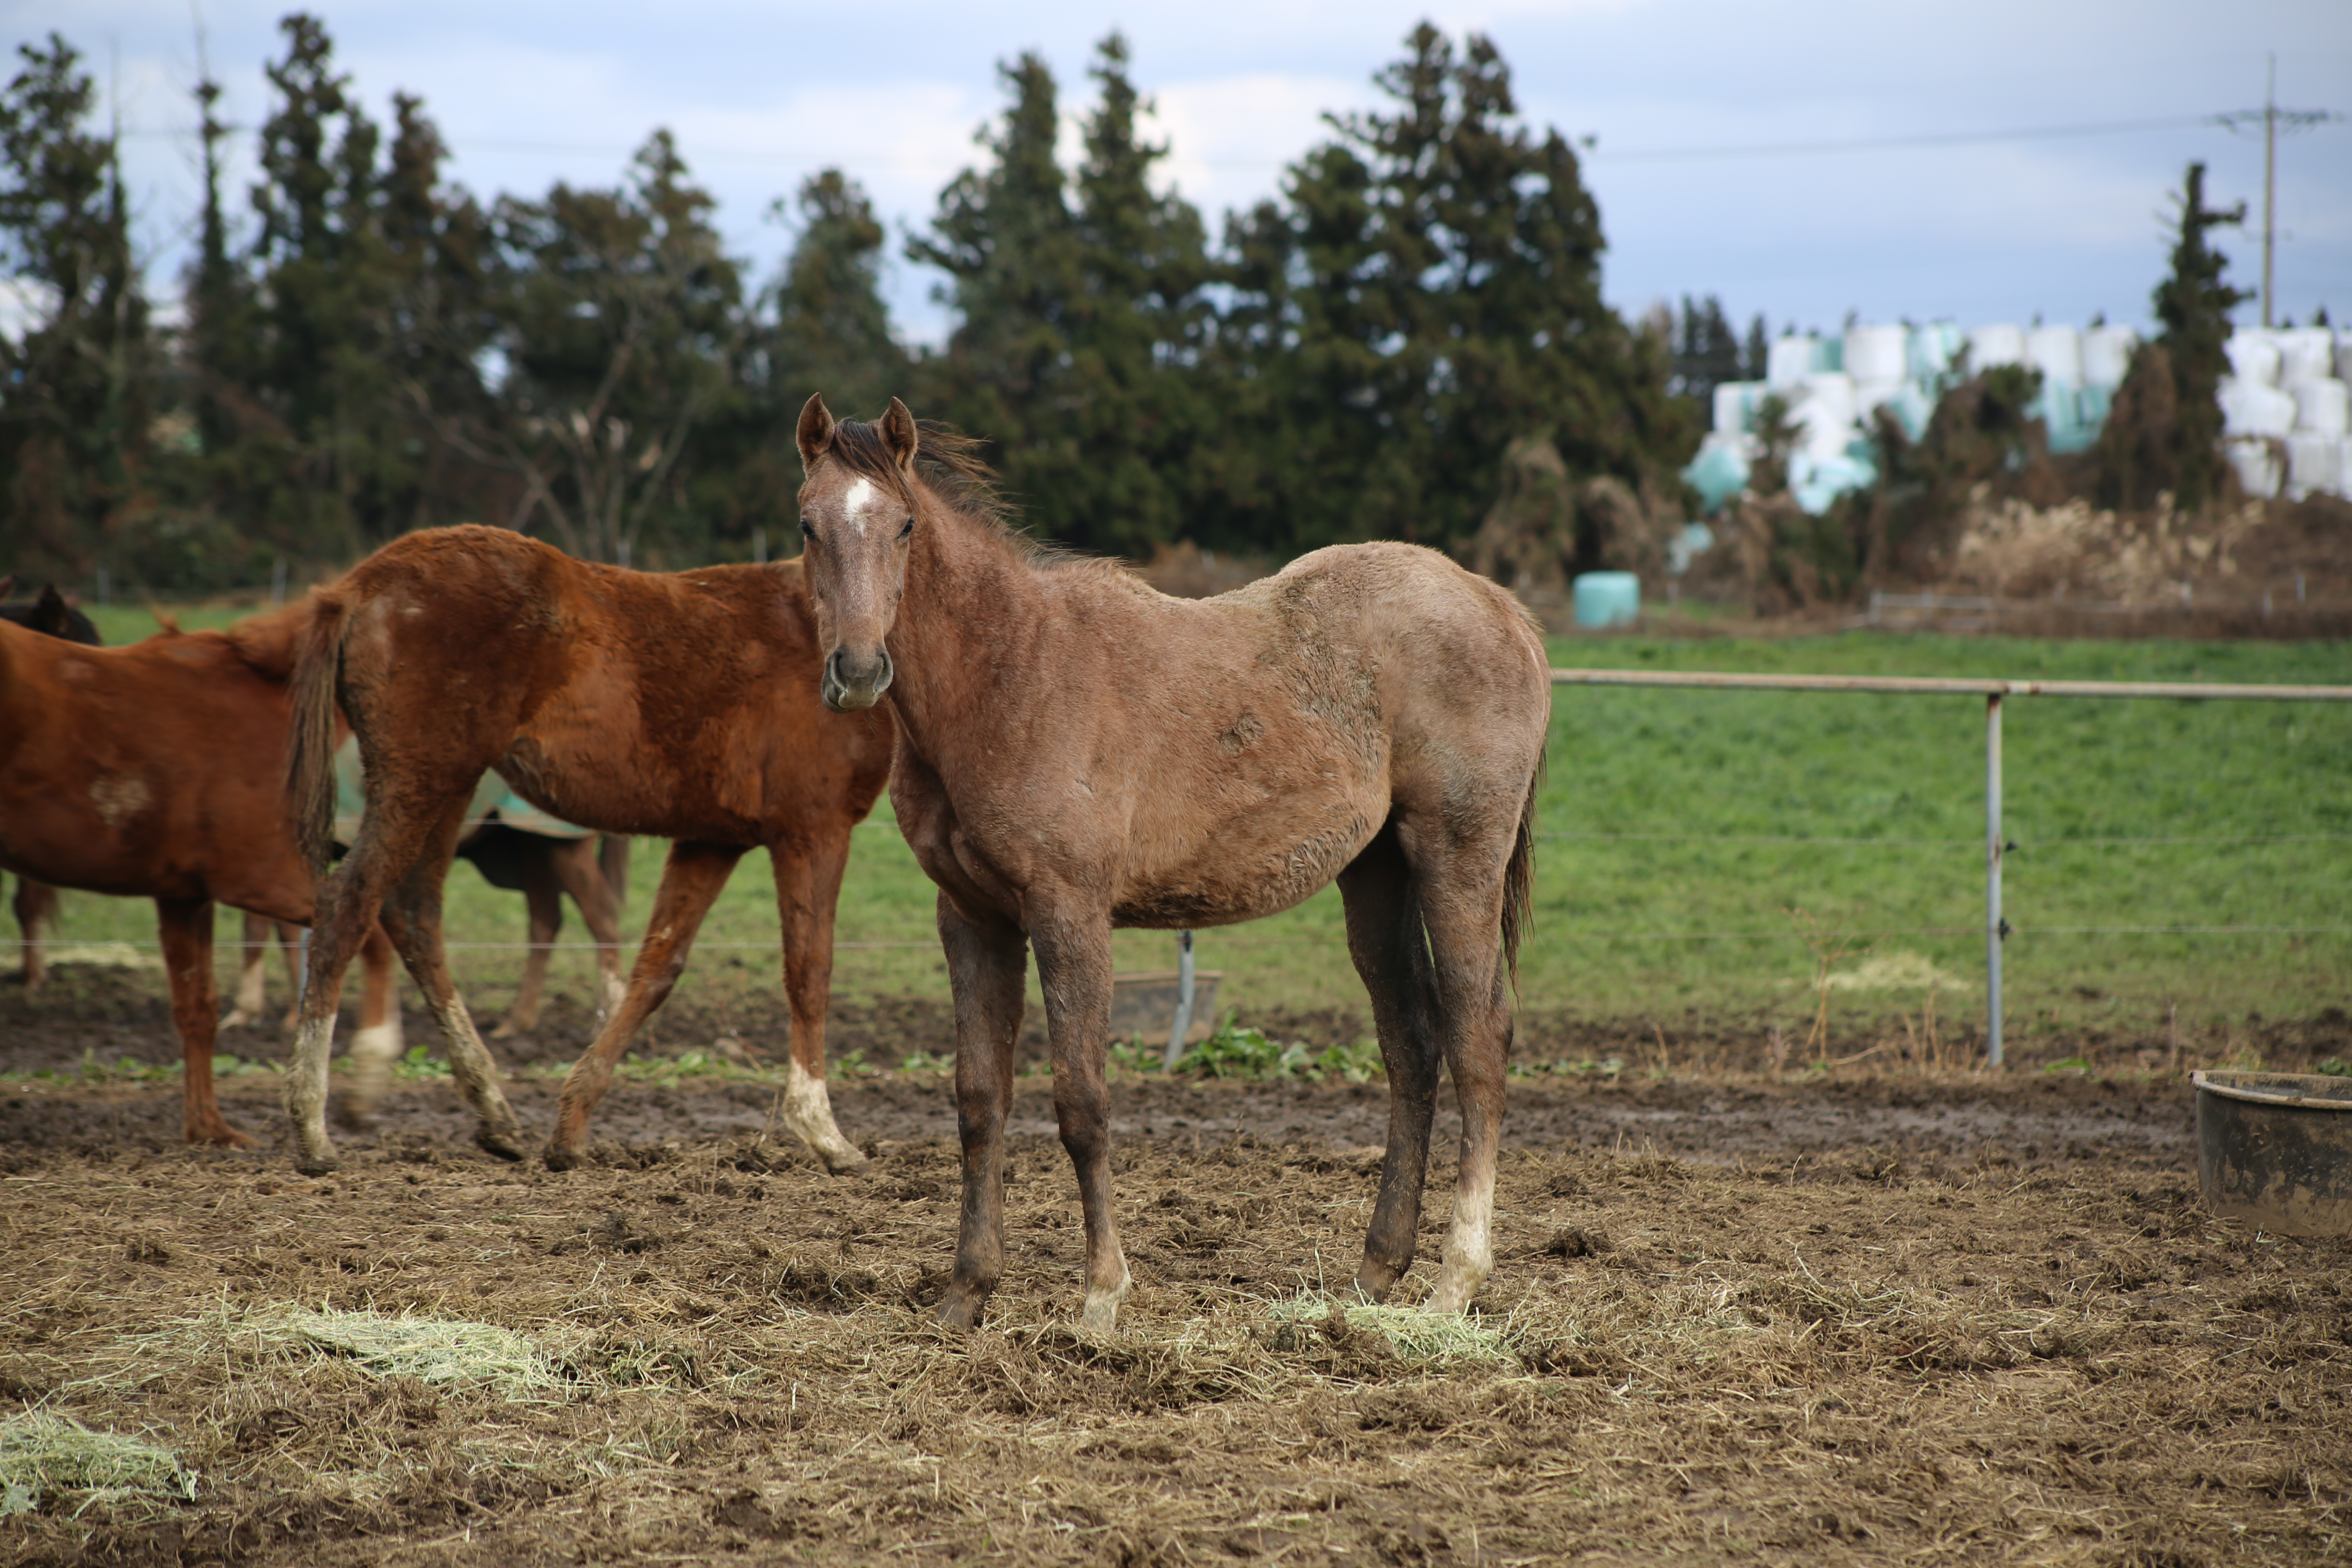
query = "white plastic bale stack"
x=2306 y=353
x=1995 y=345
x=1876 y=353
x=1826 y=410
x=1789 y=361
x=2251 y=409
x=1934 y=351
x=1735 y=406
x=2344 y=355
x=2057 y=354
x=2107 y=356
x=2253 y=356
x=2313 y=462
x=2258 y=466
x=2319 y=452
x=2322 y=408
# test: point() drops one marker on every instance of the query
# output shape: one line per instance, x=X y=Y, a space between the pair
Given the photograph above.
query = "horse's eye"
x=907 y=529
x=808 y=531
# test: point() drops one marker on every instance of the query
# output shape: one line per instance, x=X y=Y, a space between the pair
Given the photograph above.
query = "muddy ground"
x=1869 y=1314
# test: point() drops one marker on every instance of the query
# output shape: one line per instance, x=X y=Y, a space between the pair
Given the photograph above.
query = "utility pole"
x=2272 y=118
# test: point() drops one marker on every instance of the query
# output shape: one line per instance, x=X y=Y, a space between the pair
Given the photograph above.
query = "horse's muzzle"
x=852 y=683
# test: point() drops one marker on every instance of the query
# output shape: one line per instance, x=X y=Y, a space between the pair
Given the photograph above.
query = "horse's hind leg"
x=578 y=867
x=251 y=997
x=692 y=879
x=412 y=917
x=377 y=1044
x=36 y=909
x=544 y=901
x=1074 y=971
x=186 y=927
x=1391 y=955
x=808 y=888
x=1459 y=891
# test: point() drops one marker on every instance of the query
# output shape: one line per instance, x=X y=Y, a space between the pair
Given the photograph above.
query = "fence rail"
x=1993 y=692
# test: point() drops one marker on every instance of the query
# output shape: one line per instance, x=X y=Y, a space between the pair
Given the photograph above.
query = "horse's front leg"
x=986 y=964
x=1074 y=969
x=186 y=926
x=808 y=869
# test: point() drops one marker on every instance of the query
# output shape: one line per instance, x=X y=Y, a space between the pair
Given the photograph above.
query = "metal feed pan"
x=2275 y=1149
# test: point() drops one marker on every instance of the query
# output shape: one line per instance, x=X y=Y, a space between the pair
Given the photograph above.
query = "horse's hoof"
x=353 y=1115
x=1375 y=1280
x=842 y=1161
x=962 y=1309
x=557 y=1157
x=317 y=1164
x=220 y=1135
x=1099 y=1316
x=503 y=1142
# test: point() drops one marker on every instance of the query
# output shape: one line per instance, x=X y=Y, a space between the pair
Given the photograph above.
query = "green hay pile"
x=438 y=1351
x=40 y=1453
x=1414 y=1335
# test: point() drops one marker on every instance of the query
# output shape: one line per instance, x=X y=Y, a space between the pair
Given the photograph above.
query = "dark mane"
x=949 y=462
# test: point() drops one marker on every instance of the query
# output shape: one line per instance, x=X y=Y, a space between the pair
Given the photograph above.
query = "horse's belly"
x=1226 y=880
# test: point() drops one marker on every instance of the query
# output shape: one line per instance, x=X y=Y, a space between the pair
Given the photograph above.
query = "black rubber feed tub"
x=2275 y=1149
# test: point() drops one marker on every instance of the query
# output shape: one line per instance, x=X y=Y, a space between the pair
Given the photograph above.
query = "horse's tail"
x=311 y=739
x=1519 y=876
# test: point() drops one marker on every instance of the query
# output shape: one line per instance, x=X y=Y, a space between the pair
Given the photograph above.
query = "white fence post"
x=1183 y=1002
x=1995 y=927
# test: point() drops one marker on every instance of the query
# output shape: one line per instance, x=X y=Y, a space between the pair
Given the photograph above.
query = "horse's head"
x=857 y=521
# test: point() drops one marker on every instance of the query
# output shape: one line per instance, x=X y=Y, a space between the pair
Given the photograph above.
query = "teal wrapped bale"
x=1607 y=598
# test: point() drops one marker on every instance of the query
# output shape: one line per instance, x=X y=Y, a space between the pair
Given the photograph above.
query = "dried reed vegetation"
x=1943 y=1352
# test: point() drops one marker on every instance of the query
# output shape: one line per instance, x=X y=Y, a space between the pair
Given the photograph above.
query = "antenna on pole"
x=2271 y=119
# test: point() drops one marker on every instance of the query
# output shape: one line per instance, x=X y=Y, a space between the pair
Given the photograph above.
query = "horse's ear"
x=899 y=435
x=51 y=613
x=815 y=432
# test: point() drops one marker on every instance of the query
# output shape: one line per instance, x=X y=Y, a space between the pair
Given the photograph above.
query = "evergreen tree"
x=2194 y=304
x=832 y=330
x=1755 y=358
x=1706 y=353
x=1135 y=333
x=1430 y=290
x=73 y=388
x=1009 y=246
x=620 y=317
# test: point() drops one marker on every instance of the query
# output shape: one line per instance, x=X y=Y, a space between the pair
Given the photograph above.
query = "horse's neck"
x=967 y=603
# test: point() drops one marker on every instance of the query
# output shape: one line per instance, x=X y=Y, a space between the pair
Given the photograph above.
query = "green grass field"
x=1676 y=848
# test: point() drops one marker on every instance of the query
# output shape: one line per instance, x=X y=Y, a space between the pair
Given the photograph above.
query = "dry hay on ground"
x=1964 y=1342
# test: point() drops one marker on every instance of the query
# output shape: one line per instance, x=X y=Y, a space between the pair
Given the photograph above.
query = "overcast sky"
x=761 y=94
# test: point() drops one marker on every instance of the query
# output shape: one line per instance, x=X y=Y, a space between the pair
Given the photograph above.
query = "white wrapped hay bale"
x=2057 y=354
x=1935 y=350
x=2313 y=462
x=2251 y=408
x=2322 y=408
x=1790 y=360
x=2257 y=463
x=2107 y=356
x=2306 y=353
x=1826 y=409
x=1995 y=345
x=1735 y=406
x=1876 y=353
x=2253 y=356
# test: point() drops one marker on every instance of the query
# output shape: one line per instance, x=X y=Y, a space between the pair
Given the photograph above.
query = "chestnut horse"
x=156 y=771
x=36 y=903
x=1077 y=752
x=683 y=705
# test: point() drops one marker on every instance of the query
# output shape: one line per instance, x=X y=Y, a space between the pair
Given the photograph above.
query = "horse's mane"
x=949 y=463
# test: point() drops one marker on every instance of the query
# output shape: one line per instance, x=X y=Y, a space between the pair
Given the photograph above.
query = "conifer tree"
x=2194 y=304
x=73 y=388
x=832 y=330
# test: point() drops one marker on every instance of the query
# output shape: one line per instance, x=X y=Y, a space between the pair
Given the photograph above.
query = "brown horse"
x=682 y=705
x=156 y=771
x=1079 y=752
x=36 y=903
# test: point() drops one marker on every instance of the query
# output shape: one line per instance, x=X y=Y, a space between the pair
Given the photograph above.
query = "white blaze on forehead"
x=859 y=497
